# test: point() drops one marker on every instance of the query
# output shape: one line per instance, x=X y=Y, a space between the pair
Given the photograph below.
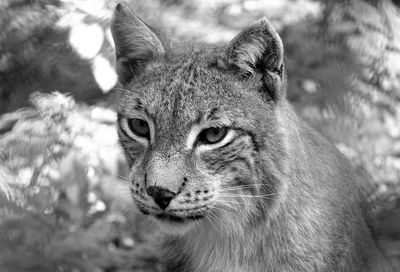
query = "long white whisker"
x=122 y=89
x=210 y=219
x=224 y=210
x=120 y=189
x=243 y=186
x=226 y=203
x=250 y=196
x=217 y=220
x=223 y=201
x=123 y=178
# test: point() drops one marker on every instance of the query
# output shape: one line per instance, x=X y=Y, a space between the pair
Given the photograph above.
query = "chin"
x=175 y=225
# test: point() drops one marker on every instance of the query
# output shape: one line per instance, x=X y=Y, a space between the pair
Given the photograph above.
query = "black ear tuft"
x=258 y=50
x=135 y=43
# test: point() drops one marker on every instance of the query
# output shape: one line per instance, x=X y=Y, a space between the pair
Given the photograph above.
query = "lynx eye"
x=139 y=127
x=213 y=135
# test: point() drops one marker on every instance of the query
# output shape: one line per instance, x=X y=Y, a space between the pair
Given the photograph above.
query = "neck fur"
x=281 y=239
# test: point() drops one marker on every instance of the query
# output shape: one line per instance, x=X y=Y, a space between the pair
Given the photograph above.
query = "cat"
x=219 y=159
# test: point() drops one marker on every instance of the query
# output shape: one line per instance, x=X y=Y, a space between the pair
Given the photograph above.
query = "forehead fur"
x=188 y=84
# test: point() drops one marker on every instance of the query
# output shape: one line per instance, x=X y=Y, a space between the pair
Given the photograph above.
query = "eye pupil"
x=213 y=135
x=215 y=131
x=139 y=127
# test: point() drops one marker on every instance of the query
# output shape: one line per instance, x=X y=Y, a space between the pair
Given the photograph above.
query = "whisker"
x=228 y=202
x=122 y=89
x=138 y=82
x=225 y=202
x=249 y=196
x=123 y=178
x=224 y=210
x=220 y=221
x=118 y=184
x=129 y=209
x=244 y=186
x=216 y=220
x=209 y=218
x=122 y=190
x=197 y=222
x=239 y=203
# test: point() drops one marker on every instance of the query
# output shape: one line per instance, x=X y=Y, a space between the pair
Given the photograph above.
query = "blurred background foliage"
x=64 y=200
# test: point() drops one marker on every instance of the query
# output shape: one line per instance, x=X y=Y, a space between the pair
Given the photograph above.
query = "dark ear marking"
x=118 y=7
x=258 y=51
x=279 y=71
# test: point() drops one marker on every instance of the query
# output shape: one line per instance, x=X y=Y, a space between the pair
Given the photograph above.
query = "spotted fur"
x=275 y=195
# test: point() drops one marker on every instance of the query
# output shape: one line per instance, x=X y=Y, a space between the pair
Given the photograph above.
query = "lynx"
x=217 y=156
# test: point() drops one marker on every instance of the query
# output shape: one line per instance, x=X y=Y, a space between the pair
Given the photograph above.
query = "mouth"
x=178 y=219
x=190 y=215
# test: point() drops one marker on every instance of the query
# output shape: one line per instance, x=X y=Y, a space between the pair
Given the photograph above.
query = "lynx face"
x=195 y=129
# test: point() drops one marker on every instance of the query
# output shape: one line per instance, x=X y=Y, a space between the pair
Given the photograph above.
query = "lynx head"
x=198 y=123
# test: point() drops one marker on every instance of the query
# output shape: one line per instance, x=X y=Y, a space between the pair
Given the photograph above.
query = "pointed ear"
x=258 y=51
x=136 y=45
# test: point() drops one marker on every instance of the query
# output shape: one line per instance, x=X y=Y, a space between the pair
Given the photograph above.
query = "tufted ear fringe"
x=135 y=43
x=258 y=50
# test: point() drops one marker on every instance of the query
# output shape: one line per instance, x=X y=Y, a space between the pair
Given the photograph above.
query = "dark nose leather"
x=161 y=196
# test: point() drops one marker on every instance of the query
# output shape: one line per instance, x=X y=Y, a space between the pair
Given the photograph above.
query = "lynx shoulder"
x=220 y=160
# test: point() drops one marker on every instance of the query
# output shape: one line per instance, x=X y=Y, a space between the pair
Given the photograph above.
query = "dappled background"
x=64 y=199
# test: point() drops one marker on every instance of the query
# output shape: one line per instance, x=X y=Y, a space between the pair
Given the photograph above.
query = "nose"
x=161 y=196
